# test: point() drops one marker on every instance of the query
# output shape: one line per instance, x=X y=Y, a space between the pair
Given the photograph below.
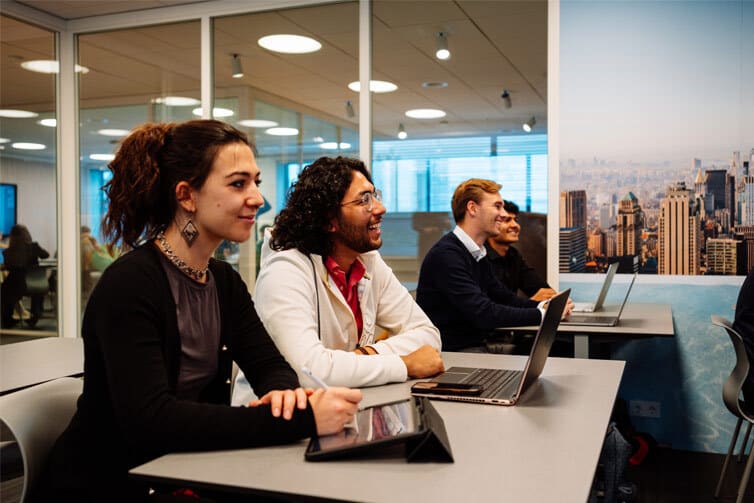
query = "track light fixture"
x=235 y=67
x=529 y=125
x=442 y=46
x=349 y=109
x=506 y=96
x=402 y=132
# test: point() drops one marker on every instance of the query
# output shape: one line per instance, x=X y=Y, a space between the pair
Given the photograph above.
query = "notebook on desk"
x=505 y=387
x=588 y=307
x=586 y=320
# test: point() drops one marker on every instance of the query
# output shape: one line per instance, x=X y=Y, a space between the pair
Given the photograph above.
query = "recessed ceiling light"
x=282 y=131
x=376 y=86
x=177 y=101
x=48 y=122
x=318 y=139
x=48 y=66
x=4 y=140
x=332 y=145
x=102 y=157
x=434 y=84
x=216 y=112
x=113 y=132
x=289 y=44
x=257 y=123
x=28 y=146
x=425 y=113
x=17 y=114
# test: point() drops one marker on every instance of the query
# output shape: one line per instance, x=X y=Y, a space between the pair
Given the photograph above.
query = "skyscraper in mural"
x=572 y=249
x=573 y=209
x=746 y=201
x=678 y=232
x=726 y=256
x=628 y=233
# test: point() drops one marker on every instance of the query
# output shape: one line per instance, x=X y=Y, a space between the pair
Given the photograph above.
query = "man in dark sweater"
x=508 y=264
x=457 y=288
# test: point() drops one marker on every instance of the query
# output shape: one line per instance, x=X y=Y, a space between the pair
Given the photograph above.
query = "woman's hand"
x=333 y=408
x=284 y=401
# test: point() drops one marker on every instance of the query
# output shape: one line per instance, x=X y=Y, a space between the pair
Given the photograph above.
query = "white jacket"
x=286 y=299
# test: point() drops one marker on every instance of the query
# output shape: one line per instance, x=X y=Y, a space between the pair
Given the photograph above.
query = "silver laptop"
x=588 y=307
x=505 y=387
x=599 y=321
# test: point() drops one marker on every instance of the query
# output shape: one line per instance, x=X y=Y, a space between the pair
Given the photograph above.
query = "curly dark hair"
x=149 y=164
x=313 y=201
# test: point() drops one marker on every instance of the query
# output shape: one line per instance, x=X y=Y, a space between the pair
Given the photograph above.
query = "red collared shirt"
x=348 y=284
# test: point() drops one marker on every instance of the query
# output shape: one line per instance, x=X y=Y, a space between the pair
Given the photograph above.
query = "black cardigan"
x=464 y=299
x=128 y=412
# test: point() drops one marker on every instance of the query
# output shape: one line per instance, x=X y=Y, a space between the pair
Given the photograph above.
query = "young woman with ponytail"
x=166 y=321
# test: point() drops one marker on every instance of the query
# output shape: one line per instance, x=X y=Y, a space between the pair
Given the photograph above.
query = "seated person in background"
x=508 y=264
x=19 y=257
x=166 y=321
x=323 y=288
x=744 y=325
x=457 y=287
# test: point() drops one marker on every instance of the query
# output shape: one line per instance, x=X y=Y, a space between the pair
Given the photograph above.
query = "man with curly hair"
x=323 y=289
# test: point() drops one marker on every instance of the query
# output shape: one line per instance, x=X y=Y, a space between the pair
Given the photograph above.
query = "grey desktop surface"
x=32 y=362
x=544 y=449
x=637 y=321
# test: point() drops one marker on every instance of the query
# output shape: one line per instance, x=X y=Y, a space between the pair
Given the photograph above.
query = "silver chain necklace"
x=196 y=274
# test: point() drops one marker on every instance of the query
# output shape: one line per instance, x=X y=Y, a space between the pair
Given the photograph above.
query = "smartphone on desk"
x=447 y=388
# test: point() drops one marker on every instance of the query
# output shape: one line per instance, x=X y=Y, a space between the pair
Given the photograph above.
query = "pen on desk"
x=319 y=382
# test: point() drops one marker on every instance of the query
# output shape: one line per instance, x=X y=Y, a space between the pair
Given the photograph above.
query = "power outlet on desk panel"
x=643 y=408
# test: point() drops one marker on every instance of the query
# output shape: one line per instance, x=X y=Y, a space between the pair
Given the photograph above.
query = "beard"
x=356 y=237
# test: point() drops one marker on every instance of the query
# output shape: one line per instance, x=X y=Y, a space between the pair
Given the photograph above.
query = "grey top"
x=198 y=315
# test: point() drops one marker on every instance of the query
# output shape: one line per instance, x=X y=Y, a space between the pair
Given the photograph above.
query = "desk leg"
x=581 y=346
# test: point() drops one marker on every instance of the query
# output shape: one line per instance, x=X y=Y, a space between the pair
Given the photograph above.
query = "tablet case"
x=428 y=443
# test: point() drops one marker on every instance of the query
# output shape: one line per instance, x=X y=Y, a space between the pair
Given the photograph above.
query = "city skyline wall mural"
x=657 y=136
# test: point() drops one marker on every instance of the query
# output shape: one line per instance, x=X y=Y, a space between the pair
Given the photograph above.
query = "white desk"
x=637 y=321
x=32 y=362
x=544 y=449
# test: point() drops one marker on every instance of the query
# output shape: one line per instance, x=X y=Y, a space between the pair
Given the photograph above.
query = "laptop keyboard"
x=491 y=379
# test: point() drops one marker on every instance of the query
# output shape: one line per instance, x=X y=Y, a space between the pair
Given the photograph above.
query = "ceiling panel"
x=495 y=45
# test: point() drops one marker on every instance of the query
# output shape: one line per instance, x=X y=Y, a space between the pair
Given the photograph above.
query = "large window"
x=28 y=159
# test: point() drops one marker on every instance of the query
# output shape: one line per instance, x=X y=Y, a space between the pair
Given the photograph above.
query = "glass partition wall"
x=28 y=209
x=434 y=121
x=138 y=75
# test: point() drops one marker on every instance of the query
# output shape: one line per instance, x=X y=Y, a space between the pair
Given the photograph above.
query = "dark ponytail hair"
x=149 y=164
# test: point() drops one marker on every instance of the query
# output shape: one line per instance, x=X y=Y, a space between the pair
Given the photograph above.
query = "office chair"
x=36 y=417
x=737 y=407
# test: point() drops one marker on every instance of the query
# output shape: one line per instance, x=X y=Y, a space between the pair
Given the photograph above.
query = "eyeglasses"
x=366 y=200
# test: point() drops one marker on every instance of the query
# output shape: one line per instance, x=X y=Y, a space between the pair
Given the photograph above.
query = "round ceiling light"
x=333 y=145
x=425 y=113
x=217 y=112
x=376 y=86
x=48 y=122
x=102 y=157
x=289 y=44
x=48 y=66
x=177 y=101
x=257 y=123
x=27 y=146
x=113 y=132
x=282 y=131
x=17 y=114
x=4 y=140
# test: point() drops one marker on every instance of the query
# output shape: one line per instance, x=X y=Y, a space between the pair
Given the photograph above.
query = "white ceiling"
x=495 y=45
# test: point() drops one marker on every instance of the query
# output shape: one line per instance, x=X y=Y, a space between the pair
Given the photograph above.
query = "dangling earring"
x=189 y=232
